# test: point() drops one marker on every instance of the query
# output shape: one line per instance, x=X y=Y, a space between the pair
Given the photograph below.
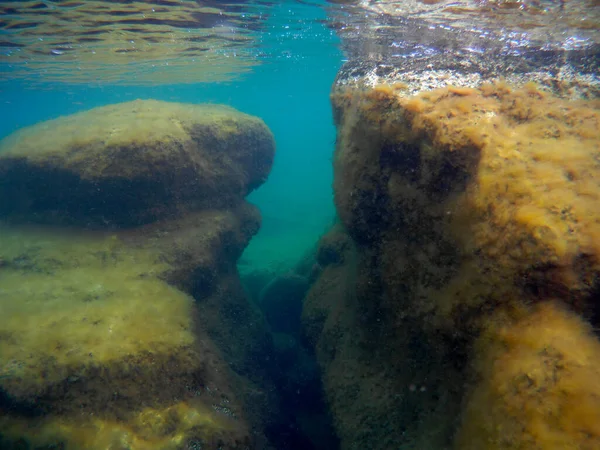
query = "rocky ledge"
x=459 y=298
x=123 y=323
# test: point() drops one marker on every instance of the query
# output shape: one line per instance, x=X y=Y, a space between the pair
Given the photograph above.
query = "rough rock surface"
x=458 y=299
x=133 y=163
x=133 y=337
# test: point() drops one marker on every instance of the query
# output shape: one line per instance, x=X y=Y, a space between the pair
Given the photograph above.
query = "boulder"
x=459 y=302
x=281 y=302
x=123 y=323
x=132 y=163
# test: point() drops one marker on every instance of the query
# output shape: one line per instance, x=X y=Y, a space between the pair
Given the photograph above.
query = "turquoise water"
x=145 y=304
x=299 y=57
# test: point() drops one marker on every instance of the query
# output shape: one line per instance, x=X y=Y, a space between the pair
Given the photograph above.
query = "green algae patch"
x=84 y=317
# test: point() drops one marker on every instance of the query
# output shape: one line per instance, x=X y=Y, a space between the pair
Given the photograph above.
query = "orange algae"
x=95 y=334
x=533 y=89
x=491 y=228
x=415 y=105
x=462 y=91
x=531 y=207
x=520 y=171
x=537 y=385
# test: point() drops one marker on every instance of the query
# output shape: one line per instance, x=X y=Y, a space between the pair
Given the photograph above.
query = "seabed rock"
x=459 y=297
x=133 y=163
x=121 y=231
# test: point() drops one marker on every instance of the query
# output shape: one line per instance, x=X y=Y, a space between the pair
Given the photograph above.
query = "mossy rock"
x=536 y=385
x=333 y=247
x=132 y=163
x=473 y=215
x=97 y=349
x=476 y=197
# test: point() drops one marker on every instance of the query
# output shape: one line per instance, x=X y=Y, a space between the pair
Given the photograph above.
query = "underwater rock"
x=281 y=302
x=197 y=248
x=473 y=218
x=255 y=280
x=123 y=322
x=105 y=324
x=538 y=384
x=96 y=350
x=333 y=247
x=132 y=163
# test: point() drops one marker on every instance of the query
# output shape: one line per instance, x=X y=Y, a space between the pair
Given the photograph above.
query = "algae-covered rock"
x=89 y=327
x=123 y=323
x=132 y=163
x=480 y=195
x=474 y=219
x=538 y=384
x=198 y=247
